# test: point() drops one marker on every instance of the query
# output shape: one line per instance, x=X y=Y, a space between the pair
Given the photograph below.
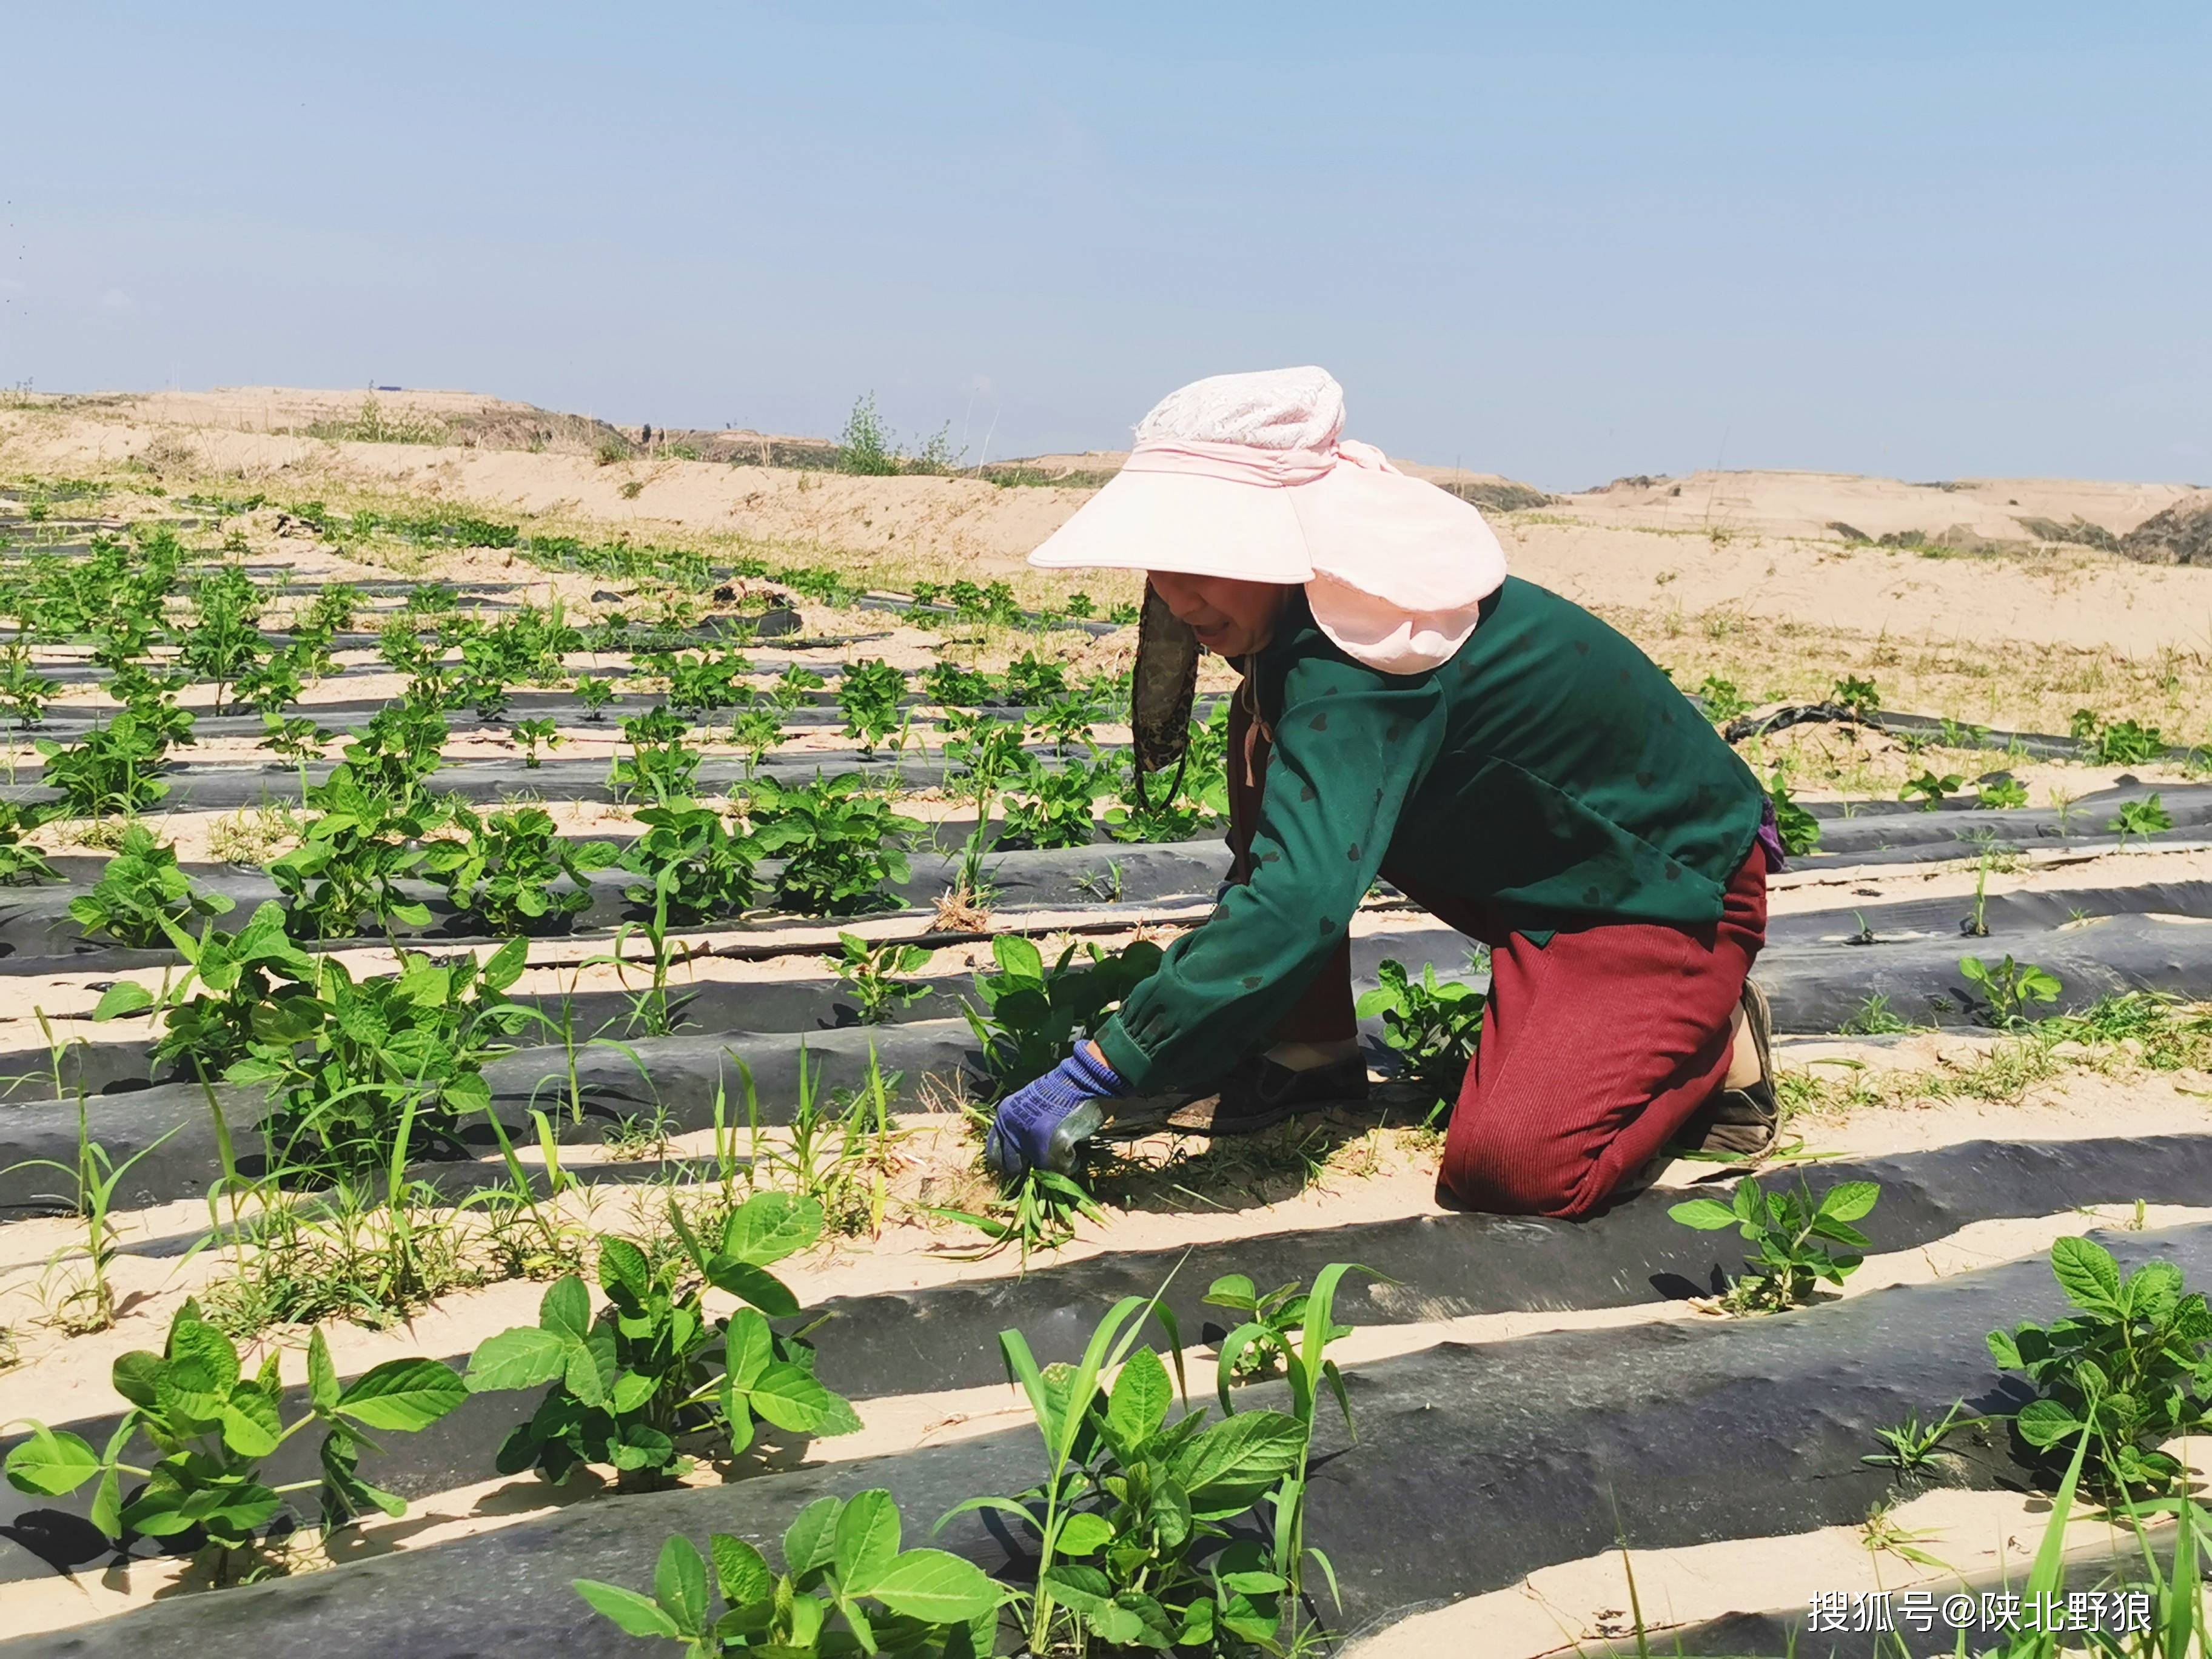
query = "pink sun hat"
x=1248 y=476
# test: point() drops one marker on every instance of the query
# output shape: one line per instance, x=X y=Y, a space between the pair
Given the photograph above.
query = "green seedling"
x=504 y=871
x=2008 y=987
x=868 y=694
x=1032 y=1014
x=843 y=1561
x=1723 y=701
x=112 y=768
x=651 y=1367
x=1999 y=793
x=870 y=973
x=595 y=694
x=2119 y=743
x=1053 y=806
x=214 y=1427
x=141 y=890
x=1432 y=1024
x=1930 y=789
x=695 y=865
x=1791 y=1233
x=2141 y=817
x=21 y=862
x=1858 y=697
x=2126 y=1371
x=660 y=766
x=1268 y=1337
x=840 y=843
x=528 y=735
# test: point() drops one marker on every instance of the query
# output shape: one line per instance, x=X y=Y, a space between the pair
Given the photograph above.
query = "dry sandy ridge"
x=1763 y=542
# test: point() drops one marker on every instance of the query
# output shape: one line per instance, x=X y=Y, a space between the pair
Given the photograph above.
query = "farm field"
x=513 y=930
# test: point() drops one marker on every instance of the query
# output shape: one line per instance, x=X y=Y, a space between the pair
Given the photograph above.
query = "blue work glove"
x=1042 y=1125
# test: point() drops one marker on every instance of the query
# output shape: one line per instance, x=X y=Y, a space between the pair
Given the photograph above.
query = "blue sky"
x=1560 y=242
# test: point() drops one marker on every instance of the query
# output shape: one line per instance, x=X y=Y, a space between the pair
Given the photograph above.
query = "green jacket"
x=1549 y=767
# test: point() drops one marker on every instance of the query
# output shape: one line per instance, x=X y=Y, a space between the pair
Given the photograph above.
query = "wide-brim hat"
x=1248 y=476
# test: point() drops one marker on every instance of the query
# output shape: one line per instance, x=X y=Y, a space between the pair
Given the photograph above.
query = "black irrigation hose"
x=2042 y=744
x=1474 y=1465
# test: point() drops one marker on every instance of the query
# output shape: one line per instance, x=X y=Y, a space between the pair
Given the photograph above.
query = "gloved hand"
x=1042 y=1124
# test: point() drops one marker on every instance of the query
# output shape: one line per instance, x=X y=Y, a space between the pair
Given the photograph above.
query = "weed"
x=1723 y=701
x=1792 y=1233
x=1911 y=1448
x=1874 y=1017
x=95 y=1175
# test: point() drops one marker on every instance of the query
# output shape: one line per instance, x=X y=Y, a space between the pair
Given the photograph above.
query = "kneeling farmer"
x=1498 y=755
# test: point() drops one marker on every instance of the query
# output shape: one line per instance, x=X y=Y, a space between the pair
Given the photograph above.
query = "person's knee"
x=1496 y=1166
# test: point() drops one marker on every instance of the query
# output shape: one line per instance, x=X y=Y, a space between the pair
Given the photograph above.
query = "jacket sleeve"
x=1349 y=749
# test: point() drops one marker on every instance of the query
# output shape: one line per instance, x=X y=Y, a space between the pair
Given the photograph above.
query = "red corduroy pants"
x=1597 y=1046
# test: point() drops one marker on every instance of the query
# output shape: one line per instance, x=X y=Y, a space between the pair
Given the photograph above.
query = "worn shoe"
x=1741 y=1123
x=1262 y=1092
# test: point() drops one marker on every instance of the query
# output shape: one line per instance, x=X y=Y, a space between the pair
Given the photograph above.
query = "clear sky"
x=1558 y=241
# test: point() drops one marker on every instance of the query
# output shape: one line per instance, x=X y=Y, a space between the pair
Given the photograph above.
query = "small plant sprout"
x=840 y=1556
x=2008 y=988
x=870 y=973
x=1930 y=789
x=2001 y=791
x=1432 y=1024
x=2141 y=817
x=95 y=1176
x=527 y=735
x=1976 y=924
x=594 y=694
x=1910 y=1447
x=1791 y=1233
x=213 y=1426
x=1857 y=697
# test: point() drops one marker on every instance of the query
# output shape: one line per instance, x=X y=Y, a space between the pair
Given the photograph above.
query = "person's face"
x=1231 y=618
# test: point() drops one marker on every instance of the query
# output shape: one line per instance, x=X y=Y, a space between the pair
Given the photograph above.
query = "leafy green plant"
x=869 y=694
x=527 y=735
x=692 y=861
x=1267 y=1338
x=1432 y=1024
x=349 y=866
x=595 y=694
x=1723 y=701
x=112 y=769
x=1998 y=794
x=1133 y=1517
x=1052 y=806
x=660 y=766
x=1791 y=1233
x=1031 y=1013
x=2127 y=1368
x=840 y=843
x=2141 y=817
x=839 y=1555
x=214 y=1427
x=140 y=889
x=2007 y=988
x=242 y=977
x=2117 y=743
x=24 y=692
x=1798 y=830
x=504 y=870
x=870 y=973
x=651 y=1368
x=347 y=1062
x=1930 y=789
x=1855 y=696
x=950 y=686
x=19 y=862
